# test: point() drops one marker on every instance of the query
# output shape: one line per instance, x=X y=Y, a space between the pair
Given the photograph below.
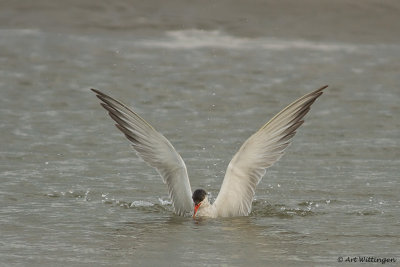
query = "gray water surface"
x=74 y=193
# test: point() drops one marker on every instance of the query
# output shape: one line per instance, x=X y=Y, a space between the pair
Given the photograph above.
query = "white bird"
x=244 y=172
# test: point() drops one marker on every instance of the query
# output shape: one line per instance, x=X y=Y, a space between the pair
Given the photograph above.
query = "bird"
x=244 y=172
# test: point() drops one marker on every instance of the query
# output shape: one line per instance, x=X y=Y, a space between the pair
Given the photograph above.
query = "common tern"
x=246 y=169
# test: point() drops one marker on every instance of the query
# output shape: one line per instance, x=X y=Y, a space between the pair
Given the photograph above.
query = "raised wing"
x=259 y=152
x=155 y=150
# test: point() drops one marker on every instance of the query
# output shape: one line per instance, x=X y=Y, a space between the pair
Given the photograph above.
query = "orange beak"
x=196 y=207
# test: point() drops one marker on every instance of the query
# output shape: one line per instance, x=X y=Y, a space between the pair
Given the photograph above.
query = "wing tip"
x=96 y=91
x=320 y=89
x=315 y=94
x=100 y=95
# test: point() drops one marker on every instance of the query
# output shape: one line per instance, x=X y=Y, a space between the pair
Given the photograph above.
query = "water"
x=73 y=191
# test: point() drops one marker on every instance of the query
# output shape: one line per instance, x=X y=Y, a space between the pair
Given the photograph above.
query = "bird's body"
x=207 y=209
x=244 y=172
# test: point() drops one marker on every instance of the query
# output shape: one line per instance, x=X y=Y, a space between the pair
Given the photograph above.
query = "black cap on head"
x=198 y=196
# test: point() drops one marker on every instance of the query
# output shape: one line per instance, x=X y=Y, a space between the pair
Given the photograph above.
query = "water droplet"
x=86 y=195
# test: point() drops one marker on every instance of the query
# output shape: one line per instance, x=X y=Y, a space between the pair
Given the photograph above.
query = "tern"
x=246 y=169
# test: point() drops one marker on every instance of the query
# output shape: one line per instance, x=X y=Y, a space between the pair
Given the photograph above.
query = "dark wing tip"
x=322 y=88
x=315 y=94
x=102 y=96
x=99 y=94
x=95 y=90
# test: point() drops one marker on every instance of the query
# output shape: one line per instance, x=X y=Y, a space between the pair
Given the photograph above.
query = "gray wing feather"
x=259 y=152
x=154 y=149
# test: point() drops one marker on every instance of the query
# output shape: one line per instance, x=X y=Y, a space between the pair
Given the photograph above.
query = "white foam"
x=141 y=203
x=164 y=202
x=193 y=39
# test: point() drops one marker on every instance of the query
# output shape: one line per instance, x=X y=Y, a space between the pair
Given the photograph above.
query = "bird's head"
x=198 y=197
